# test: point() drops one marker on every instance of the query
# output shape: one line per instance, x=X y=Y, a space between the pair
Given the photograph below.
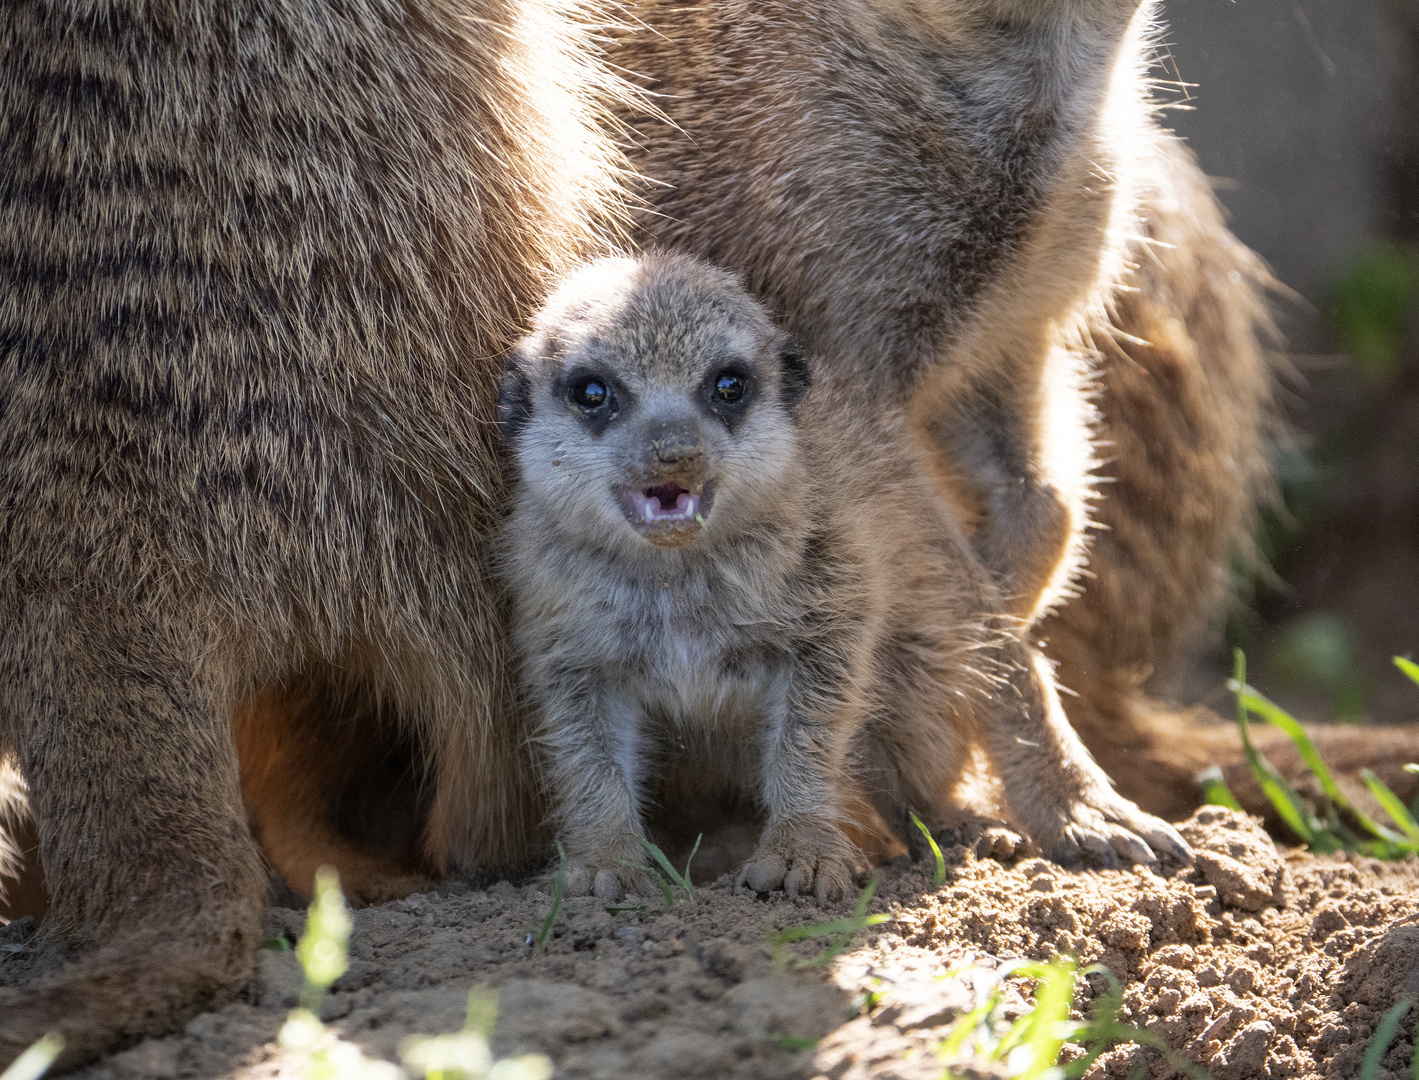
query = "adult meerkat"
x=971 y=204
x=706 y=565
x=260 y=258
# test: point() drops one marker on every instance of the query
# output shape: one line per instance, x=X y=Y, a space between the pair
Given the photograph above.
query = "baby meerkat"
x=720 y=576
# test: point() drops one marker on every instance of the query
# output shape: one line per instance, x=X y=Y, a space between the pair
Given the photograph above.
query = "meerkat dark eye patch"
x=594 y=398
x=514 y=402
x=795 y=379
x=728 y=392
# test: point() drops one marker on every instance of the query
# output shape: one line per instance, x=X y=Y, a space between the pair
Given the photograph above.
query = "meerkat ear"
x=514 y=398
x=794 y=376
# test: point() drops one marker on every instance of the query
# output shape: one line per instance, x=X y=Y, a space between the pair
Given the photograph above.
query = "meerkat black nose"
x=674 y=442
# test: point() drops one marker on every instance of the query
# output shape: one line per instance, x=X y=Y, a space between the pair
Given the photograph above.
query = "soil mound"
x=1253 y=963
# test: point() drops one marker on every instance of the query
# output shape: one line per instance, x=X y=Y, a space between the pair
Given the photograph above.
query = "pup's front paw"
x=817 y=861
x=1106 y=830
x=609 y=884
x=608 y=877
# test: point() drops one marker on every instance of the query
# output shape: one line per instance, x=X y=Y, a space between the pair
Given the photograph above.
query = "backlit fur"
x=973 y=204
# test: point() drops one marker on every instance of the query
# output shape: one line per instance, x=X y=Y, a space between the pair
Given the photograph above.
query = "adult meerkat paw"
x=822 y=867
x=1109 y=831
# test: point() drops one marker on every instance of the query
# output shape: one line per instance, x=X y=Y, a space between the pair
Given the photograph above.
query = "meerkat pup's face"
x=654 y=403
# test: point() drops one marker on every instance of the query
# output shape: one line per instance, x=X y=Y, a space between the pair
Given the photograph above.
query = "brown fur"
x=1186 y=415
x=885 y=173
x=934 y=196
x=806 y=621
x=260 y=259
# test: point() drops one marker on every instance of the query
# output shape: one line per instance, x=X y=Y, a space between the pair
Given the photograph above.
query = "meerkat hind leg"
x=1052 y=786
x=156 y=887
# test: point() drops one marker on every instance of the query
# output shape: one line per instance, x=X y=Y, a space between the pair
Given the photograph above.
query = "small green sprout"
x=1214 y=789
x=866 y=1001
x=938 y=876
x=1030 y=1047
x=322 y=951
x=465 y=1055
x=795 y=1042
x=840 y=931
x=1323 y=832
x=676 y=879
x=1409 y=667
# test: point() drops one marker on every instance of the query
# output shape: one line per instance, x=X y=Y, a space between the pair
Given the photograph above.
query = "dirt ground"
x=1252 y=962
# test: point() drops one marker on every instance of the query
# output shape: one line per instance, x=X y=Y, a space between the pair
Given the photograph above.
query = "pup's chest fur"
x=702 y=647
x=710 y=648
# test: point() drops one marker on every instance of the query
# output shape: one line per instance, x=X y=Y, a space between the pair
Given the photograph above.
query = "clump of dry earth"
x=1254 y=963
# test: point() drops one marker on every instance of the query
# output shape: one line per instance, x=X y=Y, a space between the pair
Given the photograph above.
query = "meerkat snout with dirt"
x=710 y=565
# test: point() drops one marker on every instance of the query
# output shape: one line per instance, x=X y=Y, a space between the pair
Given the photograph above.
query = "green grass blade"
x=661 y=859
x=1393 y=806
x=35 y=1061
x=676 y=878
x=1279 y=717
x=1215 y=791
x=1409 y=667
x=1273 y=785
x=842 y=930
x=559 y=890
x=322 y=949
x=1379 y=1042
x=938 y=876
x=481 y=1016
x=660 y=883
x=1276 y=716
x=1249 y=699
x=685 y=877
x=962 y=1029
x=1052 y=1000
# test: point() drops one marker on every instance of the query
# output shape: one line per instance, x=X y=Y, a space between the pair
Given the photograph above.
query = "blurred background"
x=1306 y=114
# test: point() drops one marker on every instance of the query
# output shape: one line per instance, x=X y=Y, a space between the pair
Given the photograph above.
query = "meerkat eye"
x=590 y=393
x=729 y=386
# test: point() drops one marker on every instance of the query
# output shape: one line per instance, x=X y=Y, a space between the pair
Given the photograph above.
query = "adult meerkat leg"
x=1052 y=786
x=1186 y=411
x=122 y=729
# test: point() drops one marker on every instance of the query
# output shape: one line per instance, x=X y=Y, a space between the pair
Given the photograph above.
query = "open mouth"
x=663 y=504
x=666 y=513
